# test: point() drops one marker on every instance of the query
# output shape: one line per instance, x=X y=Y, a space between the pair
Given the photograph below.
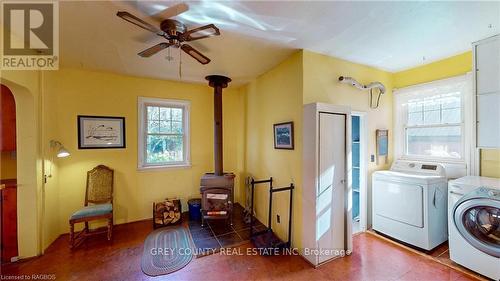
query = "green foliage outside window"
x=165 y=136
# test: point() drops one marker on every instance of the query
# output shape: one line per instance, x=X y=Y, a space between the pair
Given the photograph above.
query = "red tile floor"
x=373 y=258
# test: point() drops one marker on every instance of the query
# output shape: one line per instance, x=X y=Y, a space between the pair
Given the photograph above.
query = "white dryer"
x=474 y=224
x=410 y=203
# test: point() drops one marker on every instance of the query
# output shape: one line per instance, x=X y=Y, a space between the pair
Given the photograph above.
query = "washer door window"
x=478 y=221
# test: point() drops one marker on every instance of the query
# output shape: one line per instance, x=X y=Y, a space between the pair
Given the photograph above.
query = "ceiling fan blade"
x=201 y=32
x=195 y=54
x=153 y=50
x=140 y=23
x=170 y=12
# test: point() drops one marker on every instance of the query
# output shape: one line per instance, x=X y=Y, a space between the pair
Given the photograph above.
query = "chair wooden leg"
x=110 y=228
x=71 y=235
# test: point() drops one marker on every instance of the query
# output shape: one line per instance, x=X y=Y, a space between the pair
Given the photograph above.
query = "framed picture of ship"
x=101 y=132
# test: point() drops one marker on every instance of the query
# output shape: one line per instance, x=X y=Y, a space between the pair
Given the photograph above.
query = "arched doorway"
x=25 y=87
x=8 y=176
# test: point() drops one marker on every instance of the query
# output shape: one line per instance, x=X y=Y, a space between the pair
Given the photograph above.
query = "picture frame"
x=382 y=142
x=283 y=136
x=100 y=132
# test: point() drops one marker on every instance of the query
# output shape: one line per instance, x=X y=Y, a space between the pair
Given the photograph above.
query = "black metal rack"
x=266 y=238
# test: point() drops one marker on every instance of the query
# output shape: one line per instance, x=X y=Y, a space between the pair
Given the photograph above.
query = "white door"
x=330 y=212
x=399 y=201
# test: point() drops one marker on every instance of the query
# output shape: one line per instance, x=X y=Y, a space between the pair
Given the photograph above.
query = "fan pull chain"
x=180 y=64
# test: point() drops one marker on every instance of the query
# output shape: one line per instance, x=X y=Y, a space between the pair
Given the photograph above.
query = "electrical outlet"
x=372 y=158
x=278 y=218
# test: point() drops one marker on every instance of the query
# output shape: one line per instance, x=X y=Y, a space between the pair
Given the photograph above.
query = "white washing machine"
x=474 y=224
x=410 y=203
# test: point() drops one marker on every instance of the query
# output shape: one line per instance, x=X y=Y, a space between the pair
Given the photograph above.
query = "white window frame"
x=400 y=119
x=143 y=102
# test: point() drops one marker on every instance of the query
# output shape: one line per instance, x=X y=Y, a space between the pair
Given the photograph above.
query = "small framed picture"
x=382 y=145
x=283 y=135
x=101 y=132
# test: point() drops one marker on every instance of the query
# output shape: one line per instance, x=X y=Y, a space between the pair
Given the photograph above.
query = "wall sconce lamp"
x=61 y=151
x=58 y=149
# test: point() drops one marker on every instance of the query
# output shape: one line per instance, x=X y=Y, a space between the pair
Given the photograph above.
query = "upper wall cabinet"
x=487 y=85
x=488 y=66
x=7 y=120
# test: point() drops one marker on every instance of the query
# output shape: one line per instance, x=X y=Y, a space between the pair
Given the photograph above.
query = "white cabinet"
x=488 y=120
x=488 y=66
x=326 y=232
x=487 y=86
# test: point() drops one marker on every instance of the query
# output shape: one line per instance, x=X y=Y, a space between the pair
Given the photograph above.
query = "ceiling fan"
x=174 y=31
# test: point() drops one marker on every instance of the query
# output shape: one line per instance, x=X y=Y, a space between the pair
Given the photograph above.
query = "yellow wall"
x=490 y=163
x=449 y=67
x=77 y=92
x=321 y=84
x=276 y=97
x=8 y=168
x=234 y=114
x=50 y=211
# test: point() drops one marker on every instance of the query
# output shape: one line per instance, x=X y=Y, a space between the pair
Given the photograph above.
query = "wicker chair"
x=98 y=205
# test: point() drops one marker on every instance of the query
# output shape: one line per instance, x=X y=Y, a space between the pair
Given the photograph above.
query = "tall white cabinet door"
x=488 y=120
x=487 y=64
x=331 y=185
x=488 y=67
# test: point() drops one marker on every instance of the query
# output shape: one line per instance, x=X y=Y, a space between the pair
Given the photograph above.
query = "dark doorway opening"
x=8 y=176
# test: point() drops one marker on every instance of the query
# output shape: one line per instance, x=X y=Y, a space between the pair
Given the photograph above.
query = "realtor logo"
x=30 y=35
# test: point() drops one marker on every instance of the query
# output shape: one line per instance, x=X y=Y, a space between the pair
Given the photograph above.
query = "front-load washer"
x=410 y=203
x=474 y=224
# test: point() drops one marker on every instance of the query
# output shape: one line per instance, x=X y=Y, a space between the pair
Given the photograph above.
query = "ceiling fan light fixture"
x=174 y=31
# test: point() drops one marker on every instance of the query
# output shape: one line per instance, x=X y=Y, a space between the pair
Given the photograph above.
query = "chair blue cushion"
x=93 y=210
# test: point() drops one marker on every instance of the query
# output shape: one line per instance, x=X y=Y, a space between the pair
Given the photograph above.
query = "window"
x=163 y=133
x=429 y=120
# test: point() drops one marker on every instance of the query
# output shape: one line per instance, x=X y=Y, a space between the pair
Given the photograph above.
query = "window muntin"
x=439 y=109
x=434 y=126
x=431 y=120
x=164 y=134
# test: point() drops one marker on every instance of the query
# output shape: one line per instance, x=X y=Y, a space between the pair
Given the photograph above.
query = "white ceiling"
x=256 y=36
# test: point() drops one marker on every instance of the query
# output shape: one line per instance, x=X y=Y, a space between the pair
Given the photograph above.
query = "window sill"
x=434 y=160
x=164 y=167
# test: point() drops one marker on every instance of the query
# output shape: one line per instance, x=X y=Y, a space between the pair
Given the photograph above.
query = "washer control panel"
x=494 y=193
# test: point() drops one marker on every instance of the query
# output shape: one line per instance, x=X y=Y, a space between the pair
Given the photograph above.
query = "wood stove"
x=217 y=188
